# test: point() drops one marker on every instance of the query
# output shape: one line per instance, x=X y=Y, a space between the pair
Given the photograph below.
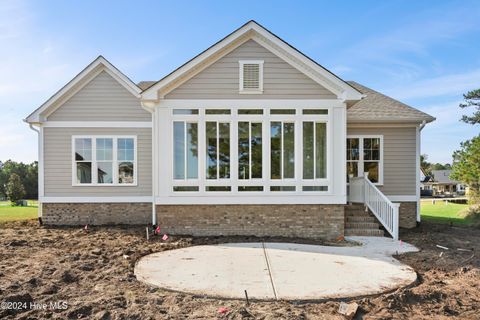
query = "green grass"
x=11 y=213
x=443 y=213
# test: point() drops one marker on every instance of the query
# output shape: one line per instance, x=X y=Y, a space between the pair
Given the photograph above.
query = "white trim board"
x=135 y=199
x=97 y=124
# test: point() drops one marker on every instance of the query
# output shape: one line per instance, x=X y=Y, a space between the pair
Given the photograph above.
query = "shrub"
x=15 y=190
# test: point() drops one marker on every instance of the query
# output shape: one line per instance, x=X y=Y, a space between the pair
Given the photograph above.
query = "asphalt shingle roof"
x=379 y=108
x=442 y=176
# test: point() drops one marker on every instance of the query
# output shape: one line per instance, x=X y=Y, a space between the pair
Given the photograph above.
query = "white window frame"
x=282 y=149
x=114 y=161
x=217 y=130
x=266 y=118
x=186 y=122
x=315 y=149
x=250 y=122
x=242 y=90
x=361 y=161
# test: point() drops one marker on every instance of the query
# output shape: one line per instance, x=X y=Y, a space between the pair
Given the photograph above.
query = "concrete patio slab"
x=280 y=270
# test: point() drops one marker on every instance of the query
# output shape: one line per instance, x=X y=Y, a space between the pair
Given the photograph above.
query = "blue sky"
x=424 y=53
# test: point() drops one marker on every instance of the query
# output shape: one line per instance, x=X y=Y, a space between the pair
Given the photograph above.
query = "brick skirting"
x=305 y=221
x=96 y=213
x=408 y=214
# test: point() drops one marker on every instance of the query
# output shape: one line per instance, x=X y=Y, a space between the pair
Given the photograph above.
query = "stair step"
x=360 y=219
x=364 y=232
x=359 y=214
x=362 y=225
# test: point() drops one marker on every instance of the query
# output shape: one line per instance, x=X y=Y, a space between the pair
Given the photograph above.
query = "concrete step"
x=361 y=225
x=360 y=219
x=364 y=232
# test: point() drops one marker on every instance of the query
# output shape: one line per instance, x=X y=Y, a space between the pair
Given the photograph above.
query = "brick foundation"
x=306 y=221
x=96 y=213
x=408 y=214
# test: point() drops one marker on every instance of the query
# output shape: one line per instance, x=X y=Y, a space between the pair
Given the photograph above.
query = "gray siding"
x=221 y=79
x=399 y=158
x=58 y=163
x=102 y=99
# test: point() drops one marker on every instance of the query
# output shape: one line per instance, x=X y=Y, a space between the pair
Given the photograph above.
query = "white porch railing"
x=362 y=190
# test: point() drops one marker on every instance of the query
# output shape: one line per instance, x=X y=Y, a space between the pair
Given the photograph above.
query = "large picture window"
x=282 y=150
x=185 y=152
x=217 y=150
x=364 y=154
x=314 y=150
x=249 y=150
x=104 y=160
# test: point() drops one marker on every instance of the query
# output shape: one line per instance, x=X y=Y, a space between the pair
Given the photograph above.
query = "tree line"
x=466 y=160
x=18 y=180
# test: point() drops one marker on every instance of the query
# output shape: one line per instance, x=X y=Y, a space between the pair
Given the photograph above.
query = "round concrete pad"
x=280 y=270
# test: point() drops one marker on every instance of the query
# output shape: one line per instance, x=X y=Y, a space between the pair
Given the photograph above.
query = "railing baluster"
x=386 y=211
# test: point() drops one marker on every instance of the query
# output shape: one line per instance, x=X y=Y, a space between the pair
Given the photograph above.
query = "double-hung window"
x=104 y=160
x=364 y=154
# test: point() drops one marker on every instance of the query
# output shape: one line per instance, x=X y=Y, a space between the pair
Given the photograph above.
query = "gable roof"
x=376 y=106
x=443 y=176
x=252 y=30
x=78 y=82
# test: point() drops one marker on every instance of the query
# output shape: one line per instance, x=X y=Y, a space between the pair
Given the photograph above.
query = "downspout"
x=40 y=166
x=418 y=138
x=148 y=107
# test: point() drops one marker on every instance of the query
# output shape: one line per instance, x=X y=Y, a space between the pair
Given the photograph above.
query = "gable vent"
x=251 y=76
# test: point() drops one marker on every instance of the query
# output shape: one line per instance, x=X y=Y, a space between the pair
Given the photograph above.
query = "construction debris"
x=348 y=309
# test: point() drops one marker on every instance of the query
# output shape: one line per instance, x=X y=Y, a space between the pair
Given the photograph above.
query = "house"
x=442 y=185
x=425 y=184
x=249 y=137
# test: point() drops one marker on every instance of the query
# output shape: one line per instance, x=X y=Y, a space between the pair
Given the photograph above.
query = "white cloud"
x=446 y=85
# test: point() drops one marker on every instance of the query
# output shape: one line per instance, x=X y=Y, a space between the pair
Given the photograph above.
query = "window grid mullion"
x=94 y=161
x=281 y=150
x=249 y=150
x=185 y=166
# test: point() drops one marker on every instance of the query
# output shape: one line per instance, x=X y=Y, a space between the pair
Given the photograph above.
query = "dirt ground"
x=69 y=273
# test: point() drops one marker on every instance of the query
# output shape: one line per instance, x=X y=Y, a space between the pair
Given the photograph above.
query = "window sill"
x=105 y=185
x=250 y=92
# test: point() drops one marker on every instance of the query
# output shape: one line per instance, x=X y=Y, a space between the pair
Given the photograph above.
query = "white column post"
x=396 y=220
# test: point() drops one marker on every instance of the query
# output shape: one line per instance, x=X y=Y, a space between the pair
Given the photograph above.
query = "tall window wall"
x=255 y=150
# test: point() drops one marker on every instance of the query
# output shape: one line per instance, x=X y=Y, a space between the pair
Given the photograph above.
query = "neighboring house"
x=425 y=186
x=441 y=184
x=249 y=137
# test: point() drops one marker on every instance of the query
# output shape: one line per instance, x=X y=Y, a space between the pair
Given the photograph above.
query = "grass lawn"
x=443 y=213
x=9 y=213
